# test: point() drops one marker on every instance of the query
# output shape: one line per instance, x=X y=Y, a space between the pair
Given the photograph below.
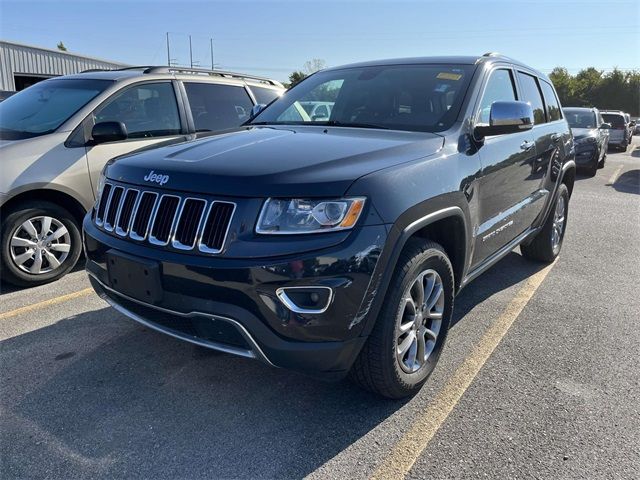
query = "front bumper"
x=586 y=154
x=232 y=304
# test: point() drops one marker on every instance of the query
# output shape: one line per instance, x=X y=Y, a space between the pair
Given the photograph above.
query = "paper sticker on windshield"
x=449 y=76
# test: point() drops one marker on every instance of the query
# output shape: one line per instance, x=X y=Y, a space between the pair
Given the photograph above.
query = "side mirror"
x=104 y=132
x=605 y=126
x=506 y=117
x=256 y=109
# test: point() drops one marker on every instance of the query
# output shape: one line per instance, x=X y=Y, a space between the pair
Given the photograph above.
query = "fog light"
x=306 y=300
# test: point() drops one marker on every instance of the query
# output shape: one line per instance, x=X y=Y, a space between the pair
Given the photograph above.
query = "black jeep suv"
x=336 y=242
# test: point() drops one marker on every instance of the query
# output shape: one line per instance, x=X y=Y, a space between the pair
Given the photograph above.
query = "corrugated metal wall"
x=23 y=59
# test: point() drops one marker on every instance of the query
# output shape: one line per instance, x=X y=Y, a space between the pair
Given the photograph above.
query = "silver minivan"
x=56 y=136
x=619 y=136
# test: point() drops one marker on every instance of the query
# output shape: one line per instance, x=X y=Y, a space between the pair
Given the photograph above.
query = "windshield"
x=424 y=98
x=580 y=118
x=43 y=107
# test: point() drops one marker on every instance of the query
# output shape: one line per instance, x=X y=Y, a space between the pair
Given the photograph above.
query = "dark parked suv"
x=337 y=245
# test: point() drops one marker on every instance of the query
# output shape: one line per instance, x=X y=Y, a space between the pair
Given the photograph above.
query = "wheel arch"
x=569 y=176
x=448 y=226
x=58 y=197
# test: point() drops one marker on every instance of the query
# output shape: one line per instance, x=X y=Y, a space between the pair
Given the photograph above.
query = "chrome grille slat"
x=105 y=196
x=142 y=215
x=165 y=219
x=113 y=208
x=125 y=215
x=216 y=227
x=189 y=223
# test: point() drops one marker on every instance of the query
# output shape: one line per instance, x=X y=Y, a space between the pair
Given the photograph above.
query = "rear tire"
x=30 y=255
x=592 y=170
x=546 y=245
x=404 y=347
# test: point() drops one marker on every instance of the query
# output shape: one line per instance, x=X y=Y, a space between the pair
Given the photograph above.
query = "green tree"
x=309 y=67
x=61 y=47
x=296 y=77
x=590 y=87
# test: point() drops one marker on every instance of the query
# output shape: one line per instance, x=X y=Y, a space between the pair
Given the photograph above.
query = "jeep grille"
x=184 y=223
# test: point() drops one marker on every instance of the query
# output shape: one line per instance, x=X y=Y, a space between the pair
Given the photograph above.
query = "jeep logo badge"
x=156 y=177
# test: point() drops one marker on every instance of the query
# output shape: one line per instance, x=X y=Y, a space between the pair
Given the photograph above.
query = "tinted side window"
x=216 y=107
x=499 y=88
x=531 y=95
x=553 y=106
x=147 y=110
x=264 y=95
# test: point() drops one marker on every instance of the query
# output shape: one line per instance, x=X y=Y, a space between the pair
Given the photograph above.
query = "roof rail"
x=147 y=69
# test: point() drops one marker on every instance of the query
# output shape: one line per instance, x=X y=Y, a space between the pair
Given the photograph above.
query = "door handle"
x=526 y=145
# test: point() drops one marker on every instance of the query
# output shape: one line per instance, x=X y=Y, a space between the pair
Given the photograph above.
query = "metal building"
x=23 y=65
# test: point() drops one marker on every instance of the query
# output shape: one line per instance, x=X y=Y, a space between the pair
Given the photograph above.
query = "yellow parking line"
x=45 y=303
x=615 y=175
x=405 y=453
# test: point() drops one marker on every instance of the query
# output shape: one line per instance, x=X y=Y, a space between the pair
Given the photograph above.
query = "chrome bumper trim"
x=255 y=352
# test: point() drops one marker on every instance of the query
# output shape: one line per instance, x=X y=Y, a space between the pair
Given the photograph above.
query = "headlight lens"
x=101 y=182
x=296 y=216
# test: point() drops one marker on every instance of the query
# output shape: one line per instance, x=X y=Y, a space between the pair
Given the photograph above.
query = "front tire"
x=40 y=243
x=546 y=245
x=412 y=327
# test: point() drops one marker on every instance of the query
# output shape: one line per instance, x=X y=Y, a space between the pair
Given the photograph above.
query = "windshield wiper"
x=337 y=123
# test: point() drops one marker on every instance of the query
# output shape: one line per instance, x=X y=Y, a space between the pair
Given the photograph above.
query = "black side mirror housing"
x=506 y=117
x=605 y=126
x=104 y=132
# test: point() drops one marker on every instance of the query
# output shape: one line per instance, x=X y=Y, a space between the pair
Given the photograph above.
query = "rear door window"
x=553 y=106
x=499 y=88
x=217 y=107
x=531 y=95
x=147 y=110
x=264 y=96
x=614 y=119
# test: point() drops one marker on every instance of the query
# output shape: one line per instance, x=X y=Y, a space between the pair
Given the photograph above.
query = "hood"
x=579 y=133
x=268 y=161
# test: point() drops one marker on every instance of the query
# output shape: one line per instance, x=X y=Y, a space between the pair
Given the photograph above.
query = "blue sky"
x=275 y=37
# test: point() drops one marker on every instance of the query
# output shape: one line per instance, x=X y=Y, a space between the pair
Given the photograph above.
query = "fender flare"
x=396 y=241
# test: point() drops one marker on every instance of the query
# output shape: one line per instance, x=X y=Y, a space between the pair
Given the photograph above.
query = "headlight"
x=101 y=182
x=294 y=216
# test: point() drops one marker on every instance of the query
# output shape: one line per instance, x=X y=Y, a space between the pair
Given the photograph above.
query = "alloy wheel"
x=40 y=245
x=421 y=319
x=558 y=224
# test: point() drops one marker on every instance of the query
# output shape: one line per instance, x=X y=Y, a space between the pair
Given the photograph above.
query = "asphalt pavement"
x=540 y=379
